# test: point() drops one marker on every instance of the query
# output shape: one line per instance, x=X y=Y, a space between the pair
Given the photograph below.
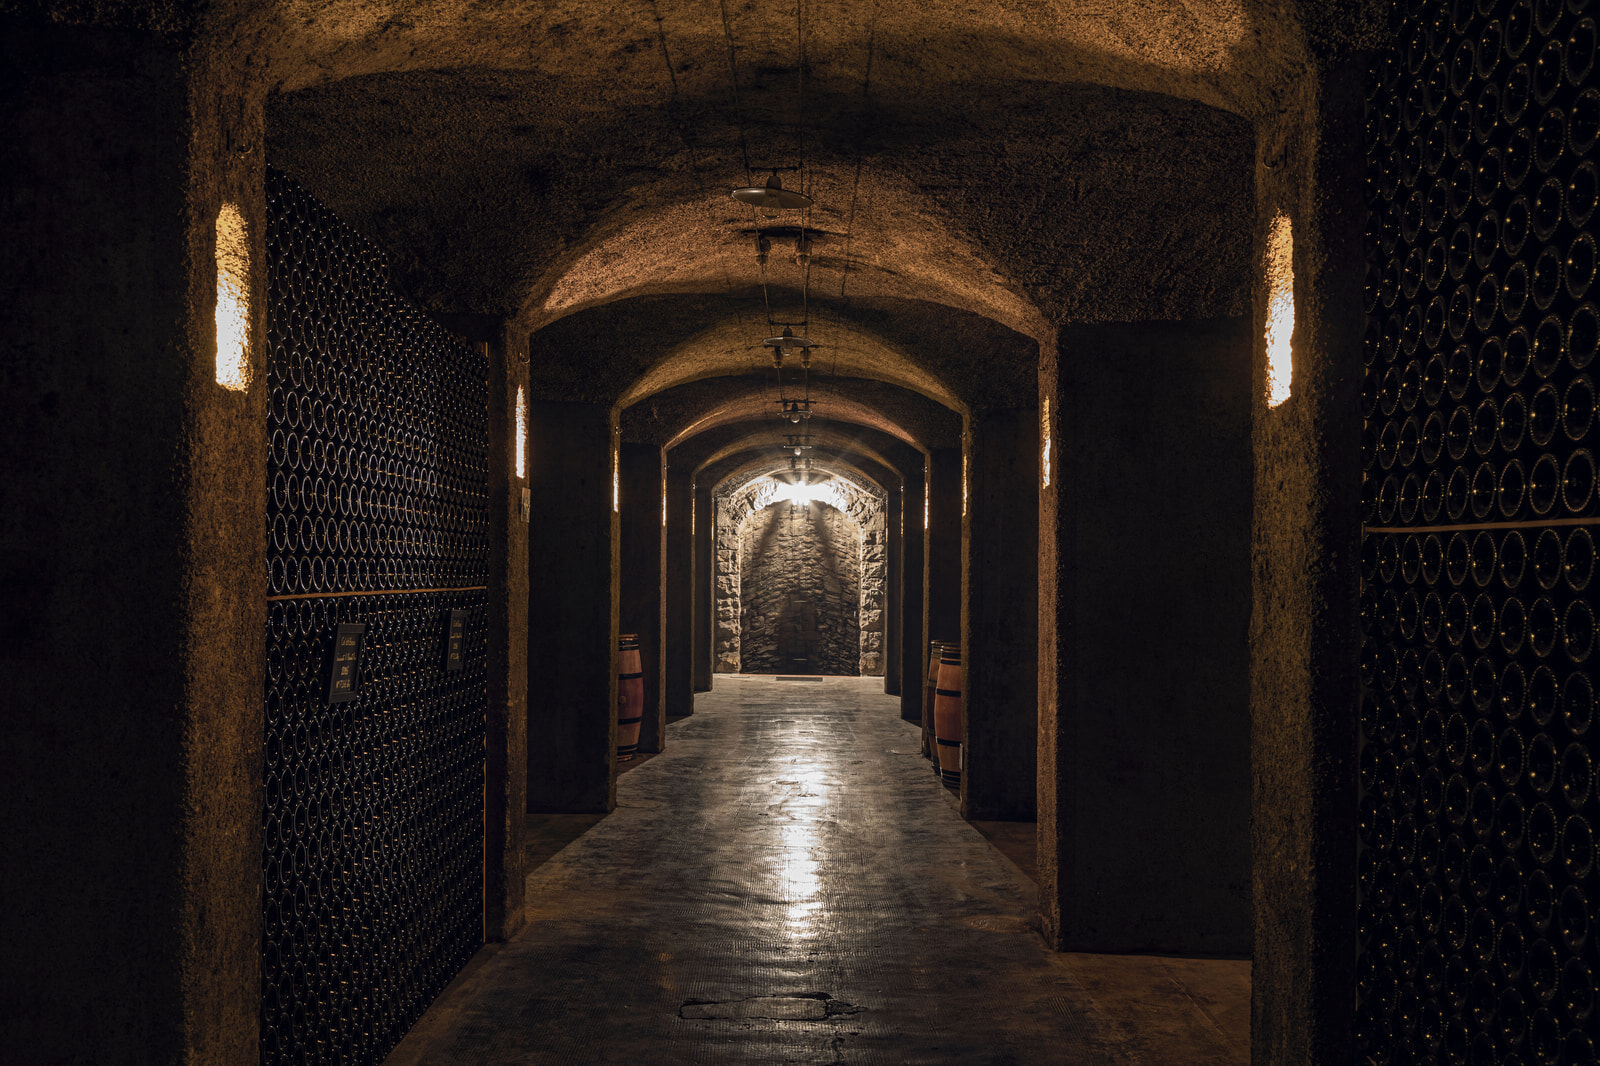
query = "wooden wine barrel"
x=947 y=716
x=630 y=696
x=935 y=650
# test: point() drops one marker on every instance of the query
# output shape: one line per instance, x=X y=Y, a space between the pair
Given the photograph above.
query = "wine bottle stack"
x=1477 y=927
x=372 y=864
x=378 y=461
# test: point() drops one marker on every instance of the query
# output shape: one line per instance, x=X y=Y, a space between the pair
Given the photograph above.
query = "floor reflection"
x=788 y=883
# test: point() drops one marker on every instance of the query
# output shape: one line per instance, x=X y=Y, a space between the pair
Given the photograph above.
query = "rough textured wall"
x=861 y=503
x=1304 y=639
x=133 y=544
x=725 y=611
x=874 y=592
x=802 y=604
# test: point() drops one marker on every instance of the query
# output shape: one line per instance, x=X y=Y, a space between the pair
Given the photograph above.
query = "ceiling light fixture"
x=772 y=197
x=788 y=342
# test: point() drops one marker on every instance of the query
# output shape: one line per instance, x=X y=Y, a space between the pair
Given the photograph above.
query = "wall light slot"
x=1280 y=310
x=1044 y=433
x=233 y=300
x=522 y=434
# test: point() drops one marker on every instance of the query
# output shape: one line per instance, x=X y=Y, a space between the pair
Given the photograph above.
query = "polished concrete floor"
x=788 y=883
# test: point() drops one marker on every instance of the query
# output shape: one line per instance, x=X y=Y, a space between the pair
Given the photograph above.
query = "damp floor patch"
x=810 y=1007
x=797 y=679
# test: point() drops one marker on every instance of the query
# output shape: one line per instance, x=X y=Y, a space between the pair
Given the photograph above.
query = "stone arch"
x=857 y=501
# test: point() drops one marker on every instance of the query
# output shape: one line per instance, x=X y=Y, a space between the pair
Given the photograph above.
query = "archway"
x=800 y=582
x=801 y=577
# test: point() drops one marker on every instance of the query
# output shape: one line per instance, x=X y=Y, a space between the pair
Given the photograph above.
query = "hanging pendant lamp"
x=773 y=197
x=788 y=342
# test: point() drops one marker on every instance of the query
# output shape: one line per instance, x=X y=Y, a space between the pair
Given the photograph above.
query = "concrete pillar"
x=999 y=615
x=679 y=606
x=643 y=605
x=572 y=607
x=704 y=527
x=1144 y=826
x=895 y=580
x=506 y=734
x=913 y=637
x=131 y=553
x=1304 y=632
x=942 y=559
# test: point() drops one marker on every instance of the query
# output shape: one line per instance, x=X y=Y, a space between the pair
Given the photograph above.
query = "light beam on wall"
x=522 y=434
x=233 y=300
x=1280 y=310
x=616 y=476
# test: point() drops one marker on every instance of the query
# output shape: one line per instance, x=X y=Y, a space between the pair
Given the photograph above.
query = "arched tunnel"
x=1187 y=403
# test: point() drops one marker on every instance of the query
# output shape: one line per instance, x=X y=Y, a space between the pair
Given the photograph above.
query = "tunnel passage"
x=800 y=584
x=801 y=577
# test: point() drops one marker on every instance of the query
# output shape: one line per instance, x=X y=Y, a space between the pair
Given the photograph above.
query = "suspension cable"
x=733 y=82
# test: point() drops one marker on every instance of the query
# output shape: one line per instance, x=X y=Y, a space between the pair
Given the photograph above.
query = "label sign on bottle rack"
x=346 y=668
x=454 y=639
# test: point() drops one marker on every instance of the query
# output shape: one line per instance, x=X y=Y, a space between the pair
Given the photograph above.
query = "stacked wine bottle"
x=376 y=515
x=1478 y=928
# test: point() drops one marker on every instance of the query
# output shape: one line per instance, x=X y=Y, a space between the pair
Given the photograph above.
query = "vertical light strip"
x=1044 y=432
x=963 y=484
x=616 y=476
x=1280 y=310
x=663 y=504
x=233 y=300
x=522 y=434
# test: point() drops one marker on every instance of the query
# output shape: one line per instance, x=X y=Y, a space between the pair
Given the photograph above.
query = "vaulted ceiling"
x=984 y=174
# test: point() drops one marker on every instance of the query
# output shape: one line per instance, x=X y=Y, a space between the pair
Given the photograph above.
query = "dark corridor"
x=1216 y=375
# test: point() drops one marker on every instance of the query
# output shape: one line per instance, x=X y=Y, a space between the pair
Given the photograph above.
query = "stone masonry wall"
x=874 y=587
x=860 y=504
x=725 y=547
x=801 y=604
